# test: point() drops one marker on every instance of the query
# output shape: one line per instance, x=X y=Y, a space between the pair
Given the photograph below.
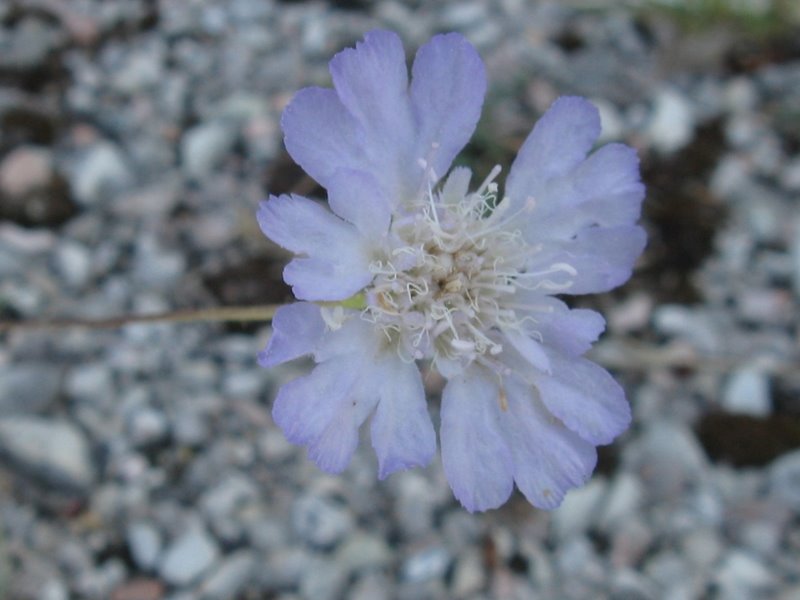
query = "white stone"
x=624 y=497
x=579 y=509
x=231 y=576
x=188 y=557
x=74 y=262
x=671 y=124
x=747 y=392
x=53 y=449
x=784 y=479
x=102 y=172
x=144 y=542
x=205 y=146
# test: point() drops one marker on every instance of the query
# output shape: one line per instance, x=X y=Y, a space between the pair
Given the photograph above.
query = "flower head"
x=460 y=277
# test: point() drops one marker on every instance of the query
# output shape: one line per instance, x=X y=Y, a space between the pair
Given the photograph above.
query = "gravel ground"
x=141 y=463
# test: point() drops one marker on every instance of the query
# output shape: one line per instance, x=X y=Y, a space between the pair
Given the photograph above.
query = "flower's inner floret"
x=447 y=288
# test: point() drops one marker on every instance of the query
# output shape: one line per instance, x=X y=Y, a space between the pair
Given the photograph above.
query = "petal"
x=585 y=397
x=447 y=90
x=338 y=263
x=530 y=349
x=305 y=407
x=597 y=260
x=321 y=135
x=477 y=460
x=560 y=140
x=324 y=411
x=296 y=330
x=357 y=197
x=570 y=331
x=372 y=83
x=354 y=336
x=604 y=190
x=402 y=432
x=549 y=459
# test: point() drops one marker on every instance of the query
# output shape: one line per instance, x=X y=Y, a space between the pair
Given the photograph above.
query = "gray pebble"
x=53 y=450
x=205 y=146
x=102 y=172
x=144 y=542
x=28 y=387
x=424 y=565
x=784 y=479
x=747 y=392
x=232 y=575
x=188 y=557
x=319 y=521
x=73 y=262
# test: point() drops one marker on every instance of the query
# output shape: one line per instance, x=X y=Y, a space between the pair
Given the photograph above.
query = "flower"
x=413 y=266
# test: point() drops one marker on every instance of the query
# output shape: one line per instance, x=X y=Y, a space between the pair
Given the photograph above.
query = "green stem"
x=263 y=313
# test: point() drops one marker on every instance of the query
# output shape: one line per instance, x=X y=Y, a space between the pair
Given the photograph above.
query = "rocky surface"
x=142 y=462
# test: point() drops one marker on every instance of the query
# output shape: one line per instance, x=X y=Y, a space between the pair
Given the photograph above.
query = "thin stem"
x=263 y=313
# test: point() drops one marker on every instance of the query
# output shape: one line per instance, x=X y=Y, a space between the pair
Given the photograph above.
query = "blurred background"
x=137 y=137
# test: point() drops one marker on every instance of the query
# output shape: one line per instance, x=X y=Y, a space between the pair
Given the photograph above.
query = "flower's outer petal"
x=402 y=432
x=549 y=459
x=357 y=197
x=305 y=406
x=604 y=257
x=324 y=410
x=570 y=331
x=296 y=330
x=560 y=140
x=529 y=349
x=338 y=260
x=604 y=190
x=598 y=259
x=477 y=460
x=372 y=83
x=321 y=135
x=585 y=397
x=447 y=89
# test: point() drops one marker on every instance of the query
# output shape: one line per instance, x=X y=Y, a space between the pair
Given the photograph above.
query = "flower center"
x=445 y=288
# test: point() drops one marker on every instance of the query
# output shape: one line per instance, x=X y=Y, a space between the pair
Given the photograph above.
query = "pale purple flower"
x=462 y=280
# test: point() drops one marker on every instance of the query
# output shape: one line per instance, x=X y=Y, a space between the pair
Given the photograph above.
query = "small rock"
x=28 y=387
x=139 y=589
x=205 y=146
x=741 y=575
x=26 y=170
x=188 y=557
x=784 y=479
x=669 y=457
x=147 y=426
x=672 y=123
x=747 y=393
x=624 y=497
x=579 y=509
x=53 y=450
x=32 y=192
x=74 y=262
x=362 y=552
x=231 y=576
x=469 y=576
x=144 y=542
x=154 y=266
x=427 y=564
x=319 y=521
x=90 y=382
x=323 y=580
x=103 y=171
x=234 y=490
